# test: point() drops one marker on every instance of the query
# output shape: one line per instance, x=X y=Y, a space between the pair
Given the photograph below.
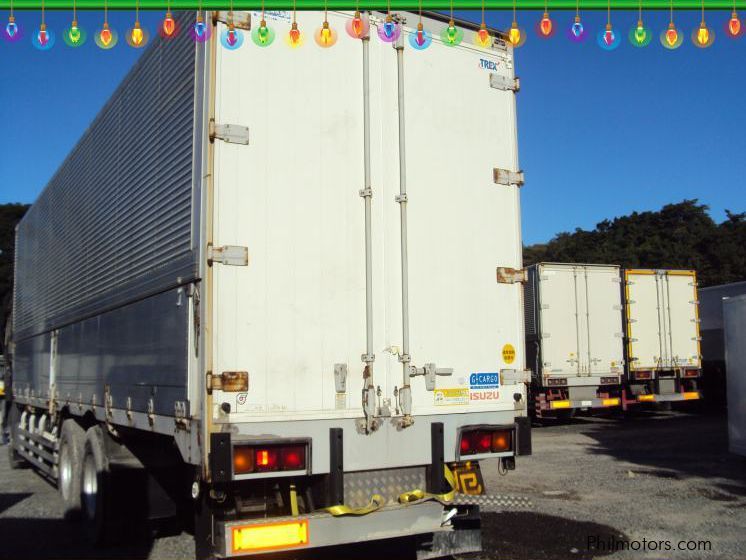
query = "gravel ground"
x=664 y=476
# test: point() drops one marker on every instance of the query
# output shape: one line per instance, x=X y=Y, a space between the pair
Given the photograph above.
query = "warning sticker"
x=447 y=397
x=508 y=354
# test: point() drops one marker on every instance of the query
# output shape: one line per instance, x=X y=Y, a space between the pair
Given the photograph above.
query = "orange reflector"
x=645 y=398
x=611 y=402
x=501 y=441
x=271 y=536
x=243 y=460
x=691 y=395
x=559 y=404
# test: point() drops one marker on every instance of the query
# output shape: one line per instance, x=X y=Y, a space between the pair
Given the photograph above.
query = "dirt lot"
x=657 y=477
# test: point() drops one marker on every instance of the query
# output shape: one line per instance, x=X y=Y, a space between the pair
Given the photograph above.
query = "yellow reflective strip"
x=559 y=404
x=691 y=395
x=610 y=402
x=645 y=398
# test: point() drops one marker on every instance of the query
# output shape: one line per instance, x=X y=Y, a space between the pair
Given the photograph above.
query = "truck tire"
x=72 y=447
x=94 y=486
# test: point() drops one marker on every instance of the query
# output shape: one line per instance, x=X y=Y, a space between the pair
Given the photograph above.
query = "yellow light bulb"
x=703 y=34
x=514 y=35
x=136 y=34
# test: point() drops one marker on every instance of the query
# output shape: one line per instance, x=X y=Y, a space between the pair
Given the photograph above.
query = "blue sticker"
x=484 y=380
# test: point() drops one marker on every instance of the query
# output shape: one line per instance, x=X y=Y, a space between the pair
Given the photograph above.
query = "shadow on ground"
x=674 y=447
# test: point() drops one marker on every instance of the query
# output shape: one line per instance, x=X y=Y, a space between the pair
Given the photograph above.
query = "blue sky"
x=601 y=133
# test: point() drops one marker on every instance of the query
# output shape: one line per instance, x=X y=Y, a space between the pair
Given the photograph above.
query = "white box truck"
x=263 y=282
x=574 y=344
x=734 y=319
x=662 y=335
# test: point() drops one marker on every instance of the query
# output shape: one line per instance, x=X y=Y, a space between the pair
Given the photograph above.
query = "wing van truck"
x=277 y=282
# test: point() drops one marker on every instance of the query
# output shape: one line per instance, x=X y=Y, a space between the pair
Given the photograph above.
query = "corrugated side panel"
x=115 y=221
x=529 y=302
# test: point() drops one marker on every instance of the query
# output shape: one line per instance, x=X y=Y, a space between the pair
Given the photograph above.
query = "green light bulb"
x=74 y=33
x=640 y=33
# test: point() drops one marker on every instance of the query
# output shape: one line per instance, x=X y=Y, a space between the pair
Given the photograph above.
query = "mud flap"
x=464 y=537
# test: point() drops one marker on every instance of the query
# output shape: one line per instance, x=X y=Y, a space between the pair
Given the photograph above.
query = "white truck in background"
x=574 y=342
x=262 y=282
x=734 y=321
x=662 y=340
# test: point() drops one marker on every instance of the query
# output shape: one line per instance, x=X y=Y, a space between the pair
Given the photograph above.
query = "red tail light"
x=268 y=458
x=476 y=442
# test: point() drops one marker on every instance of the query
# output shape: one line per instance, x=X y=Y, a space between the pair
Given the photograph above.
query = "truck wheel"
x=72 y=443
x=94 y=484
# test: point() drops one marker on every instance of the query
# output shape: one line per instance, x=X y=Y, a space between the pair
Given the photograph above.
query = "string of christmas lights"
x=358 y=27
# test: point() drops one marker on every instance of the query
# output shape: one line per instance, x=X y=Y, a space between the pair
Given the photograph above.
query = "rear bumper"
x=585 y=403
x=323 y=529
x=686 y=396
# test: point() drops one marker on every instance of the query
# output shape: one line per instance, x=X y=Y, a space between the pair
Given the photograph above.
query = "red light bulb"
x=169 y=25
x=420 y=37
x=608 y=35
x=672 y=36
x=357 y=24
x=294 y=34
x=734 y=25
x=545 y=25
x=105 y=35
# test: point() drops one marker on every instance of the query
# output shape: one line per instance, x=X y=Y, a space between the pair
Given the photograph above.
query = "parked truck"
x=662 y=341
x=286 y=300
x=573 y=337
x=734 y=317
x=712 y=328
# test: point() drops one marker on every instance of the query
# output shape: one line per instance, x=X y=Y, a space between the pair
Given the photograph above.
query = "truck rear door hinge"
x=231 y=133
x=240 y=20
x=231 y=255
x=507 y=275
x=507 y=178
x=505 y=83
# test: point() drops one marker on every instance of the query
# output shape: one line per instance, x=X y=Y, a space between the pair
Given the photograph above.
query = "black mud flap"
x=463 y=536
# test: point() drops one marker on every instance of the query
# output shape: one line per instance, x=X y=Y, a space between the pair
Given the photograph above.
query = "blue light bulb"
x=199 y=28
x=388 y=28
x=577 y=29
x=11 y=29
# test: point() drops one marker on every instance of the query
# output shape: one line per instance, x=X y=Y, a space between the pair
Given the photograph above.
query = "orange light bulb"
x=357 y=24
x=105 y=35
x=483 y=36
x=672 y=36
x=294 y=34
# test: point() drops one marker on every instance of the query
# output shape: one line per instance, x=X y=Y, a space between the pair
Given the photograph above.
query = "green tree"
x=681 y=235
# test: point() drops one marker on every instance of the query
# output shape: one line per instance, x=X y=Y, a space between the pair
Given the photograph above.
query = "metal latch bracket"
x=231 y=133
x=507 y=275
x=506 y=177
x=505 y=83
x=429 y=371
x=231 y=255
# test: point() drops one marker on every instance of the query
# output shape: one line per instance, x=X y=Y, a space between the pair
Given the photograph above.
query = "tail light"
x=268 y=458
x=643 y=375
x=691 y=373
x=477 y=442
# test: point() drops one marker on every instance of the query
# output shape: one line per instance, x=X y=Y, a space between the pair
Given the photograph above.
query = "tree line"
x=678 y=236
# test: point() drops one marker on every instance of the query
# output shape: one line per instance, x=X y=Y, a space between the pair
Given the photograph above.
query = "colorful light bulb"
x=42 y=36
x=420 y=39
x=514 y=35
x=576 y=33
x=136 y=35
x=608 y=35
x=74 y=33
x=451 y=35
x=105 y=35
x=672 y=35
x=200 y=29
x=419 y=36
x=482 y=38
x=232 y=38
x=703 y=34
x=263 y=35
x=640 y=33
x=358 y=26
x=325 y=36
x=734 y=25
x=390 y=30
x=169 y=25
x=546 y=25
x=12 y=28
x=294 y=36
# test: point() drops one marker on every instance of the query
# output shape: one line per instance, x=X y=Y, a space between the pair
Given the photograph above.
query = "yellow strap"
x=419 y=495
x=376 y=503
x=294 y=501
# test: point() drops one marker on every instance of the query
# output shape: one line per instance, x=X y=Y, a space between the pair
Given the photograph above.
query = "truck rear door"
x=561 y=320
x=645 y=350
x=462 y=225
x=604 y=320
x=682 y=313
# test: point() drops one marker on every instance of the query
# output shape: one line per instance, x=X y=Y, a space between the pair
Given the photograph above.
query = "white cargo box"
x=662 y=314
x=573 y=320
